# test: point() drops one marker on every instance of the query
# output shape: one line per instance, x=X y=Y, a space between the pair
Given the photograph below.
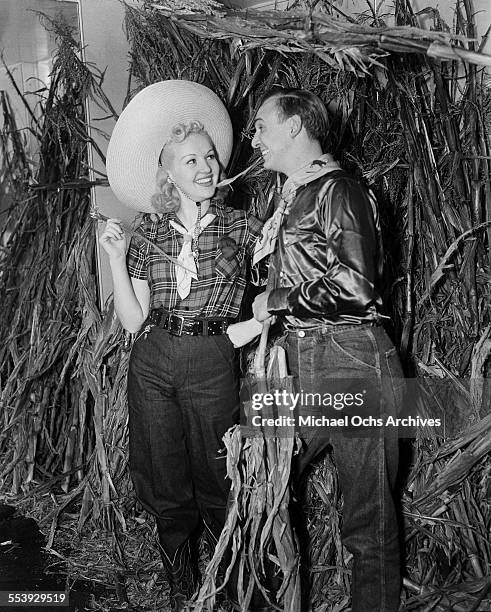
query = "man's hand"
x=260 y=307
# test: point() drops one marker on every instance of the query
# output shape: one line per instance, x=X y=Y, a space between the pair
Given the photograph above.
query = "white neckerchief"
x=266 y=243
x=188 y=270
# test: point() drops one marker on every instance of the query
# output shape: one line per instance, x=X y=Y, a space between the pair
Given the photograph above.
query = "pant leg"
x=210 y=400
x=209 y=395
x=159 y=454
x=369 y=528
x=367 y=469
x=367 y=466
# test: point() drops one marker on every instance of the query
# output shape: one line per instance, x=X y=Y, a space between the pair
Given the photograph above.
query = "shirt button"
x=301 y=334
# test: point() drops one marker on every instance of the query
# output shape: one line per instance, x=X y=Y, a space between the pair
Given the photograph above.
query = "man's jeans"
x=366 y=465
x=182 y=397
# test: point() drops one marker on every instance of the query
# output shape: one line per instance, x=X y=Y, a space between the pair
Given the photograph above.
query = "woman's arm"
x=243 y=332
x=131 y=295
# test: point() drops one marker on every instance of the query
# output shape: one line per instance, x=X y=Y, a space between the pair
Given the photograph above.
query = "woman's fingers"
x=113 y=226
x=113 y=239
x=112 y=234
x=112 y=231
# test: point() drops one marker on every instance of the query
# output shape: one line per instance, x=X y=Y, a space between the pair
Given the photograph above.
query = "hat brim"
x=145 y=125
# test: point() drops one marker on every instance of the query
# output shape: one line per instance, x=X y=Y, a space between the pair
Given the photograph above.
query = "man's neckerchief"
x=266 y=243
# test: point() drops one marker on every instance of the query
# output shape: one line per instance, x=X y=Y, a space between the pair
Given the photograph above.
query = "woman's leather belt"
x=178 y=325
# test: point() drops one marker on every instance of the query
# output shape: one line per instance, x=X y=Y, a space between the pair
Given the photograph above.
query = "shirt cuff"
x=278 y=301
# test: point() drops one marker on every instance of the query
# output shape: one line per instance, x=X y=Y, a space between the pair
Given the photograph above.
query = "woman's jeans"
x=366 y=464
x=182 y=397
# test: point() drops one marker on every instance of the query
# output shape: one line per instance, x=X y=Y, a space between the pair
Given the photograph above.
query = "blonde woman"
x=165 y=159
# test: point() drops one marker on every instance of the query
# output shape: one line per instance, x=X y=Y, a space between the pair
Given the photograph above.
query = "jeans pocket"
x=224 y=347
x=357 y=348
x=396 y=378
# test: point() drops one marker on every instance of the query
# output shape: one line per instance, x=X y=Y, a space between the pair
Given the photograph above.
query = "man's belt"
x=178 y=325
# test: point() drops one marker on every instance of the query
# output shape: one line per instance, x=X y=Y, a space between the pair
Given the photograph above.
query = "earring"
x=169 y=180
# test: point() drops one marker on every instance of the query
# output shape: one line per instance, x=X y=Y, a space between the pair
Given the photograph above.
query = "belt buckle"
x=181 y=324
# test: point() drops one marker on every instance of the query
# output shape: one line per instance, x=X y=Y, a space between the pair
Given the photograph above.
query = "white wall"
x=106 y=46
x=27 y=50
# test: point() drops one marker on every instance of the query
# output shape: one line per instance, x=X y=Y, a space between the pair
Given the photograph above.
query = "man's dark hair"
x=305 y=104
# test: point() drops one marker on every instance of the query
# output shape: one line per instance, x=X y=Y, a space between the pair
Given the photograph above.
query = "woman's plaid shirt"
x=221 y=280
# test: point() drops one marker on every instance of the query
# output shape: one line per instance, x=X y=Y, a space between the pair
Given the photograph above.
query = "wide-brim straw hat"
x=145 y=126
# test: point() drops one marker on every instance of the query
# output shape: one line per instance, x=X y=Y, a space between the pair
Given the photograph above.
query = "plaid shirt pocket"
x=228 y=267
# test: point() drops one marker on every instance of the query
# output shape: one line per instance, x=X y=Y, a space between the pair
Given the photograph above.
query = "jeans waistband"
x=303 y=332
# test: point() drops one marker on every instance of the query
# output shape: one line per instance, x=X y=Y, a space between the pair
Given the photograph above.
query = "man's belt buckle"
x=179 y=330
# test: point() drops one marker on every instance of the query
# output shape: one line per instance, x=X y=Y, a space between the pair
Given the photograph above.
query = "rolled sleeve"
x=136 y=259
x=278 y=301
x=254 y=228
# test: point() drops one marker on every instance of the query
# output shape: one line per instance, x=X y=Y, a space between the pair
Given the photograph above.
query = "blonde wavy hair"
x=167 y=199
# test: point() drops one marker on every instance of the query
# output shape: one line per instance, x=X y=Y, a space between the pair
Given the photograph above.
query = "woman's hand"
x=113 y=239
x=243 y=332
x=260 y=307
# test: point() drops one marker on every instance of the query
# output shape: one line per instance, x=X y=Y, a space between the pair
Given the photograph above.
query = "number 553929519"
x=34 y=598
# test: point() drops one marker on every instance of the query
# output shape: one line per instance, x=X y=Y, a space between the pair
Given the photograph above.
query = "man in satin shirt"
x=326 y=263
